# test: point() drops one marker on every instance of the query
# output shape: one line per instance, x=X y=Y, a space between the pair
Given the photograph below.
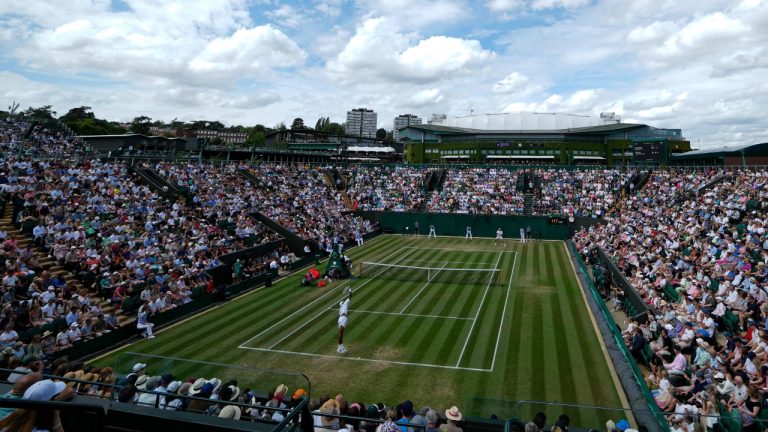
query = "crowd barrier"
x=630 y=376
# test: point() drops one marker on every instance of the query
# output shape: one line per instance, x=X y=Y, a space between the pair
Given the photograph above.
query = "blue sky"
x=699 y=66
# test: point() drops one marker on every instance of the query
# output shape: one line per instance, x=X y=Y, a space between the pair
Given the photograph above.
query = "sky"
x=699 y=65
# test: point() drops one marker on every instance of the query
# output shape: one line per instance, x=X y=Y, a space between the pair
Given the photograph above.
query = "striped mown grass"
x=529 y=338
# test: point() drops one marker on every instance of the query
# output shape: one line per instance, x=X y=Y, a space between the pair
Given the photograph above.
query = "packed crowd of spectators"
x=579 y=193
x=221 y=194
x=698 y=261
x=388 y=188
x=223 y=398
x=479 y=190
x=297 y=197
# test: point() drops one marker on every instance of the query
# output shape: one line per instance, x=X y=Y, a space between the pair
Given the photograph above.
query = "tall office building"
x=437 y=119
x=404 y=120
x=361 y=122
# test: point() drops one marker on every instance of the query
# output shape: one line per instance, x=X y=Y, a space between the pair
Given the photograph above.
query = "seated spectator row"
x=390 y=188
x=698 y=260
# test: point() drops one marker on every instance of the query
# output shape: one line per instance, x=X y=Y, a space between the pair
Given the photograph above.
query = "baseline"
x=329 y=307
x=336 y=357
x=331 y=291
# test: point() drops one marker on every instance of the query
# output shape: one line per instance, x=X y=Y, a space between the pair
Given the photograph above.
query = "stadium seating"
x=99 y=241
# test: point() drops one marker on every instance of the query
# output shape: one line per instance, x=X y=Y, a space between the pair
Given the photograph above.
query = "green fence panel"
x=483 y=225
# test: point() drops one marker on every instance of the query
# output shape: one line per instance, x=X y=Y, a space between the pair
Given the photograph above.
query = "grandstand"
x=634 y=296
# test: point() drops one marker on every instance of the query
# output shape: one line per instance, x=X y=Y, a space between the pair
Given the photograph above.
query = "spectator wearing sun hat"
x=17 y=391
x=173 y=401
x=454 y=416
x=200 y=389
x=40 y=419
x=231 y=412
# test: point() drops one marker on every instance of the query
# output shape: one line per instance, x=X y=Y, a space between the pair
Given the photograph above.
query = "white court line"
x=467 y=250
x=411 y=315
x=469 y=335
x=370 y=278
x=440 y=261
x=338 y=357
x=315 y=301
x=503 y=312
x=422 y=289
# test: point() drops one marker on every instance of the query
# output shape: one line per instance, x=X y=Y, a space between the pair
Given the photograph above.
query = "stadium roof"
x=746 y=150
x=449 y=130
x=129 y=135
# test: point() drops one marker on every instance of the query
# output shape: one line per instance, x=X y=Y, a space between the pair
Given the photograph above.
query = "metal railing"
x=619 y=340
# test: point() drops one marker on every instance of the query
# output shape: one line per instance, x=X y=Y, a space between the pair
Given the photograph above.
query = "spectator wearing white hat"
x=42 y=419
x=454 y=416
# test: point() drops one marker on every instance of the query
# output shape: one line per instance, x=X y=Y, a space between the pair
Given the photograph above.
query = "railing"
x=619 y=341
x=99 y=407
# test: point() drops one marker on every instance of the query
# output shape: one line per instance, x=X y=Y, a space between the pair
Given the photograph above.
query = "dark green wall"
x=449 y=224
x=418 y=152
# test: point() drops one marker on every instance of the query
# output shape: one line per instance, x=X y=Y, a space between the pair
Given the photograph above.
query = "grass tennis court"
x=516 y=328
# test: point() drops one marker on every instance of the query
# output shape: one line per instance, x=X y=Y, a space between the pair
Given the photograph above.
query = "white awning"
x=455 y=157
x=371 y=149
x=518 y=157
x=588 y=158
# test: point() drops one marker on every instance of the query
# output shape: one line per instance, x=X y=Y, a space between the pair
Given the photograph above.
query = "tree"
x=280 y=127
x=44 y=112
x=389 y=136
x=255 y=138
x=176 y=124
x=334 y=128
x=84 y=122
x=298 y=123
x=77 y=114
x=322 y=122
x=140 y=125
x=381 y=133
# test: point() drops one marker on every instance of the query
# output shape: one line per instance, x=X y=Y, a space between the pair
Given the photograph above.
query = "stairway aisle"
x=49 y=264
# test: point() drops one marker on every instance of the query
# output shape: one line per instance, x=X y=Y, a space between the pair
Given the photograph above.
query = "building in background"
x=437 y=119
x=542 y=139
x=402 y=121
x=227 y=137
x=361 y=122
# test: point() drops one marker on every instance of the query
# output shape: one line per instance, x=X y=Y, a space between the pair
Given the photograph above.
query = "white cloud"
x=248 y=52
x=520 y=6
x=331 y=42
x=672 y=63
x=555 y=4
x=378 y=51
x=705 y=33
x=427 y=98
x=517 y=84
x=166 y=43
x=287 y=15
x=740 y=62
x=409 y=15
x=505 y=5
x=329 y=7
x=651 y=33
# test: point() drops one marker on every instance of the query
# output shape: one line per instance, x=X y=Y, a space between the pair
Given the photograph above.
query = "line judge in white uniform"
x=343 y=311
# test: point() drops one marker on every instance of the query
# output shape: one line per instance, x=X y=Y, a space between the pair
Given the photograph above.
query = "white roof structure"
x=526 y=121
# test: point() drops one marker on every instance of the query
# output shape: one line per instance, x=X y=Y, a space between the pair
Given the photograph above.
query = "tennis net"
x=443 y=274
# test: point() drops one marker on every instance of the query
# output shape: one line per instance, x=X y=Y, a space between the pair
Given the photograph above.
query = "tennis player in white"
x=500 y=236
x=343 y=311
